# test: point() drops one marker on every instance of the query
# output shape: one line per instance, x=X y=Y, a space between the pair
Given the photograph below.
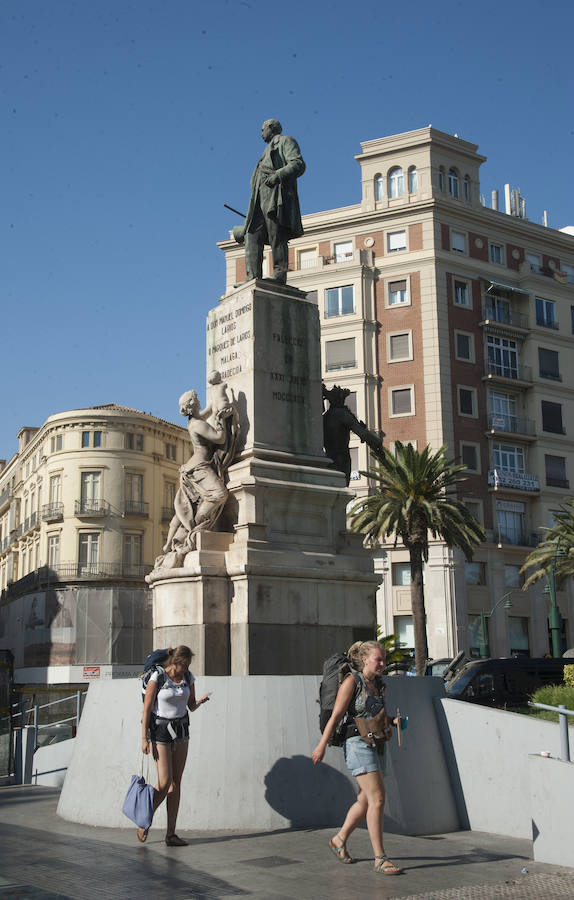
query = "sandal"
x=340 y=852
x=142 y=834
x=172 y=840
x=386 y=867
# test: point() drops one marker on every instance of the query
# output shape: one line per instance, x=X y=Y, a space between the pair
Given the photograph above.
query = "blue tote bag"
x=138 y=805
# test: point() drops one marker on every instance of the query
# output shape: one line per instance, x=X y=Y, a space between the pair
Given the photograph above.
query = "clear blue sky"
x=126 y=124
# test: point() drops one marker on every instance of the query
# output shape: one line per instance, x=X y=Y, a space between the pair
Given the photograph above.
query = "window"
x=546 y=313
x=396 y=240
x=453 y=183
x=170 y=451
x=132 y=553
x=404 y=628
x=503 y=411
x=441 y=178
x=351 y=402
x=569 y=272
x=508 y=458
x=464 y=346
x=308 y=258
x=475 y=635
x=496 y=253
x=402 y=402
x=461 y=293
x=169 y=492
x=88 y=553
x=470 y=457
x=395 y=182
x=467 y=401
x=97 y=438
x=548 y=364
x=354 y=454
x=475 y=509
x=510 y=522
x=134 y=492
x=85 y=438
x=555 y=471
x=474 y=573
x=55 y=488
x=343 y=252
x=512 y=577
x=552 y=417
x=399 y=346
x=134 y=441
x=90 y=492
x=55 y=443
x=502 y=357
x=339 y=301
x=413 y=180
x=467 y=188
x=401 y=574
x=457 y=241
x=340 y=354
x=53 y=550
x=518 y=633
x=378 y=188
x=398 y=293
x=534 y=261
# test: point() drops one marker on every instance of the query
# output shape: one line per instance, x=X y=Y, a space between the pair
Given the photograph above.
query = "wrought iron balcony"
x=6 y=496
x=557 y=482
x=511 y=424
x=136 y=508
x=517 y=481
x=508 y=370
x=74 y=571
x=52 y=512
x=91 y=508
x=547 y=322
x=504 y=316
x=517 y=537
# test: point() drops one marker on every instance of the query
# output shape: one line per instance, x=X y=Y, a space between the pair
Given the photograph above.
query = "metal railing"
x=507 y=370
x=5 y=496
x=91 y=508
x=29 y=718
x=557 y=482
x=51 y=512
x=563 y=714
x=504 y=316
x=167 y=513
x=511 y=424
x=547 y=322
x=73 y=571
x=519 y=481
x=136 y=508
x=517 y=537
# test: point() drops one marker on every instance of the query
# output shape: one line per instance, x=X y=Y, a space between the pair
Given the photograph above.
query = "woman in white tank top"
x=170 y=693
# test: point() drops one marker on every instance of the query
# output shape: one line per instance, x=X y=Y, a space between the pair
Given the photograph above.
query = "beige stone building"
x=451 y=323
x=85 y=505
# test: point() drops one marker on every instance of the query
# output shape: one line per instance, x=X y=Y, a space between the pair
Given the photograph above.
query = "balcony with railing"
x=547 y=322
x=553 y=481
x=167 y=513
x=74 y=571
x=28 y=524
x=53 y=512
x=510 y=424
x=136 y=508
x=504 y=316
x=5 y=497
x=507 y=371
x=499 y=479
x=517 y=537
x=91 y=508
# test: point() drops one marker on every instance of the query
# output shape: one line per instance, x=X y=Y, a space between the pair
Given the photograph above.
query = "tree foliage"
x=415 y=497
x=557 y=547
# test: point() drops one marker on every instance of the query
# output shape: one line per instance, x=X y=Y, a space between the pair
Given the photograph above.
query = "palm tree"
x=415 y=496
x=557 y=548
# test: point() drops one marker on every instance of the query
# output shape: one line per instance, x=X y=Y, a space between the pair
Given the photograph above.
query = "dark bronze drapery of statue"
x=338 y=422
x=273 y=216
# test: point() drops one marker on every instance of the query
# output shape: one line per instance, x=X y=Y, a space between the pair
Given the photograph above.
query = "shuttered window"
x=340 y=354
x=401 y=402
x=400 y=346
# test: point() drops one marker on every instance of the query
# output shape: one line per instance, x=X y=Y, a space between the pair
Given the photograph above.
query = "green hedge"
x=554 y=695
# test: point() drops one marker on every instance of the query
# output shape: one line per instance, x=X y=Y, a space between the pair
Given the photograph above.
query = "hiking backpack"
x=335 y=670
x=153 y=664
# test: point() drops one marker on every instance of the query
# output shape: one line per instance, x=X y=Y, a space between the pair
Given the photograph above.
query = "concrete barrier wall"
x=551 y=805
x=51 y=763
x=487 y=753
x=249 y=762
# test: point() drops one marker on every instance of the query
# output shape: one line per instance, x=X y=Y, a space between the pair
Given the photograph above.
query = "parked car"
x=505 y=682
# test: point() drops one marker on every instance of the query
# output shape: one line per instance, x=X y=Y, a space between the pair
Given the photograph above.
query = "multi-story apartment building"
x=451 y=323
x=85 y=505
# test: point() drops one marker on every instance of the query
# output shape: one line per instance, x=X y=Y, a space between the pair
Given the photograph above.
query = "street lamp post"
x=554 y=617
x=484 y=646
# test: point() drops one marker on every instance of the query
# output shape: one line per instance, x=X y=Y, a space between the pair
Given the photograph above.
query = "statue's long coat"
x=280 y=202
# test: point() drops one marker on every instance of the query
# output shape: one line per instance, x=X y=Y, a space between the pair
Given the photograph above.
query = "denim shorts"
x=361 y=759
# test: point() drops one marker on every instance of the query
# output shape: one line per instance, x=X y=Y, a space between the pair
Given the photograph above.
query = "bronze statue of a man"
x=273 y=216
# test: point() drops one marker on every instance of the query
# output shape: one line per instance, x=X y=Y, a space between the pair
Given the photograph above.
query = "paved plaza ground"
x=44 y=858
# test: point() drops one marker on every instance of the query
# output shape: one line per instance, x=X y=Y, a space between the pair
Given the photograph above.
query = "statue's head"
x=189 y=403
x=336 y=396
x=270 y=128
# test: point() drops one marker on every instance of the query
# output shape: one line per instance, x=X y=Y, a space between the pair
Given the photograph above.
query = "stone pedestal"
x=283 y=585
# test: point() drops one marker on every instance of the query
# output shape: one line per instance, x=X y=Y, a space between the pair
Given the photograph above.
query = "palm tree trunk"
x=418 y=608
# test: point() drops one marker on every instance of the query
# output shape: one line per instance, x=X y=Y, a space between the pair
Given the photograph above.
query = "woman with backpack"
x=361 y=696
x=165 y=726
